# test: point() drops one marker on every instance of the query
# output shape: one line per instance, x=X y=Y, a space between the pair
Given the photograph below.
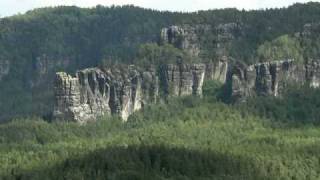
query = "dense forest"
x=185 y=138
x=189 y=138
x=33 y=46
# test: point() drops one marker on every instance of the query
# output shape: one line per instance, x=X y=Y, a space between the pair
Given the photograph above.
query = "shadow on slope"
x=150 y=162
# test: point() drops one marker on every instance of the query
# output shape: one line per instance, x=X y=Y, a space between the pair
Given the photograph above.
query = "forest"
x=189 y=138
x=185 y=138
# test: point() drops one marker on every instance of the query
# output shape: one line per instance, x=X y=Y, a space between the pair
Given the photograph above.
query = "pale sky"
x=11 y=7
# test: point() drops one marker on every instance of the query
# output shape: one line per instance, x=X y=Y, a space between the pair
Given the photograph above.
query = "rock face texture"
x=189 y=38
x=183 y=79
x=313 y=73
x=193 y=39
x=182 y=37
x=218 y=70
x=121 y=91
x=271 y=78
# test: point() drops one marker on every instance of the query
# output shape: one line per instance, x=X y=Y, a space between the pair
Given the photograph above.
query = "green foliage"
x=213 y=89
x=298 y=105
x=284 y=47
x=153 y=54
x=189 y=138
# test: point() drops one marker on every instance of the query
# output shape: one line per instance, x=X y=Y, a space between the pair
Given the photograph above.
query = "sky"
x=11 y=7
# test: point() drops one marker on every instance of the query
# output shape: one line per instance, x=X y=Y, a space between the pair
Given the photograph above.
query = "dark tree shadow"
x=150 y=163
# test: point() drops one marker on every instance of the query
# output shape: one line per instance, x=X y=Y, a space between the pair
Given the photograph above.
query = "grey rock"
x=313 y=73
x=68 y=106
x=121 y=91
x=184 y=37
x=183 y=79
x=271 y=78
x=217 y=70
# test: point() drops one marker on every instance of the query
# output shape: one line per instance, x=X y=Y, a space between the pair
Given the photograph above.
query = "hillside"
x=33 y=46
x=130 y=93
x=187 y=139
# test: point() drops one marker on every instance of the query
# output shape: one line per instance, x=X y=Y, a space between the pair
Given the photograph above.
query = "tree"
x=283 y=47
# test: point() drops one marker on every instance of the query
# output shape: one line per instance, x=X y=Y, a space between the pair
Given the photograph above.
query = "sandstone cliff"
x=270 y=78
x=202 y=37
x=121 y=91
x=183 y=37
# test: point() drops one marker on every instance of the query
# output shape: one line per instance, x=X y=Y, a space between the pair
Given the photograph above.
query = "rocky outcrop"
x=183 y=79
x=67 y=95
x=313 y=73
x=123 y=90
x=217 y=70
x=184 y=37
x=270 y=78
x=194 y=39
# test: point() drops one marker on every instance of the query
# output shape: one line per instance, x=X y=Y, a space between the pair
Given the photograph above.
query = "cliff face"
x=183 y=37
x=192 y=38
x=121 y=91
x=271 y=78
x=188 y=38
x=218 y=70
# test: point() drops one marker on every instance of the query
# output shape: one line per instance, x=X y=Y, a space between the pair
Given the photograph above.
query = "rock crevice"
x=121 y=91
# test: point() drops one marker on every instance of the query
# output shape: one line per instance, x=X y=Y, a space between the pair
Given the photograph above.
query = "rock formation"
x=270 y=78
x=194 y=39
x=218 y=70
x=185 y=37
x=123 y=90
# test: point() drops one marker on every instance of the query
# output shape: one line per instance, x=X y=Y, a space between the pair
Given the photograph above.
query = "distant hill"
x=35 y=45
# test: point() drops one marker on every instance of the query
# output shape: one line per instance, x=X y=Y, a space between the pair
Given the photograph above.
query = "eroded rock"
x=121 y=91
x=271 y=78
x=217 y=70
x=184 y=37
